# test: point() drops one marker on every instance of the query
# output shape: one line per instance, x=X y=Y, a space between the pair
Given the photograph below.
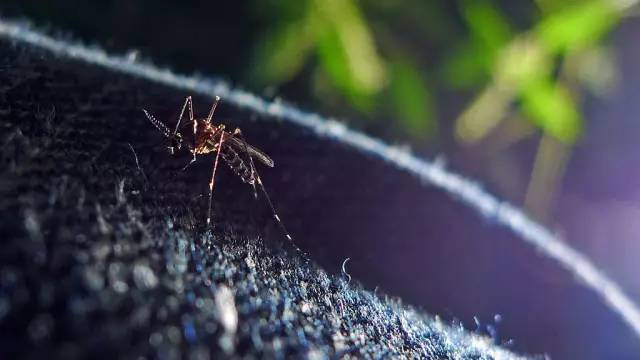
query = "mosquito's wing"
x=242 y=146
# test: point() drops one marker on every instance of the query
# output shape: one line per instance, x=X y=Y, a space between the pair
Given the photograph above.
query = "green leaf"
x=469 y=66
x=486 y=24
x=412 y=100
x=578 y=26
x=523 y=61
x=473 y=62
x=347 y=50
x=487 y=110
x=281 y=55
x=334 y=62
x=551 y=107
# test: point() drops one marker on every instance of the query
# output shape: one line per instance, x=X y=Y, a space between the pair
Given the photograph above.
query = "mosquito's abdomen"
x=238 y=165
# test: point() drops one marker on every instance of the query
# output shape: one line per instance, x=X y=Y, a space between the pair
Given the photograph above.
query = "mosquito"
x=231 y=147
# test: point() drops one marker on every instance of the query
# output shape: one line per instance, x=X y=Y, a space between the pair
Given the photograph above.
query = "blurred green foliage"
x=385 y=59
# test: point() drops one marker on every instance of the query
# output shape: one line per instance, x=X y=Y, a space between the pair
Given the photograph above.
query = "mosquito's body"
x=230 y=147
x=207 y=140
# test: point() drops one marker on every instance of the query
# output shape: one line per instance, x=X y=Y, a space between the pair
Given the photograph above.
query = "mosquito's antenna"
x=158 y=124
x=213 y=108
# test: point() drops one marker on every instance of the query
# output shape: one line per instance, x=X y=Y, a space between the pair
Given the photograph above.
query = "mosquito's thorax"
x=207 y=137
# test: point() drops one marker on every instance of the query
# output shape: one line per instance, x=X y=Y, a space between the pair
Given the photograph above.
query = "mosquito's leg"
x=193 y=147
x=258 y=180
x=213 y=175
x=190 y=103
x=213 y=108
x=273 y=209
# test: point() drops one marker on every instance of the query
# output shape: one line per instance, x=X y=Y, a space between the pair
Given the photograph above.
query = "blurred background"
x=538 y=99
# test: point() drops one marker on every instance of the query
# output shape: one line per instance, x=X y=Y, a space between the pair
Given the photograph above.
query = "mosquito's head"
x=175 y=143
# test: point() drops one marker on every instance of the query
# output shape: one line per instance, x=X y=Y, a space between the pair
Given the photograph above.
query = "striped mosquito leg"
x=193 y=147
x=189 y=102
x=213 y=176
x=258 y=180
x=273 y=210
x=213 y=108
